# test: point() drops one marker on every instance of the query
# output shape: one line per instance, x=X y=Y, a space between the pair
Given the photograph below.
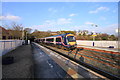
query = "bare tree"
x=16 y=30
x=18 y=27
x=28 y=30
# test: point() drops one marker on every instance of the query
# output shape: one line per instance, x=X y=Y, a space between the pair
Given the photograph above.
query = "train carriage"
x=67 y=41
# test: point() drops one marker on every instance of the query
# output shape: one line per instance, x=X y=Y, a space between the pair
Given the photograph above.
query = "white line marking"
x=50 y=64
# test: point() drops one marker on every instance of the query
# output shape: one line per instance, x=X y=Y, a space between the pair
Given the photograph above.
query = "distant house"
x=4 y=34
x=54 y=33
x=84 y=32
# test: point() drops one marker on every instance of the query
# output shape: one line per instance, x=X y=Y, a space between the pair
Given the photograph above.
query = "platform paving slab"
x=23 y=63
x=45 y=67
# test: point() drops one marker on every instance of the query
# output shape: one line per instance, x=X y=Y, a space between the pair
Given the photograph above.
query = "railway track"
x=95 y=69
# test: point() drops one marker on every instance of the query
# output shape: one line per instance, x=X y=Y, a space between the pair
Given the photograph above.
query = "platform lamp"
x=118 y=35
x=94 y=34
x=116 y=30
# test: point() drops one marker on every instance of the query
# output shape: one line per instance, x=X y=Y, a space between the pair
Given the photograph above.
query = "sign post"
x=94 y=34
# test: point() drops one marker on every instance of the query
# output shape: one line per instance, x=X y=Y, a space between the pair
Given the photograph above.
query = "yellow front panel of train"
x=72 y=43
x=70 y=35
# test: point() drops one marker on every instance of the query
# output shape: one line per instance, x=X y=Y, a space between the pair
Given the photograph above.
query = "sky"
x=56 y=16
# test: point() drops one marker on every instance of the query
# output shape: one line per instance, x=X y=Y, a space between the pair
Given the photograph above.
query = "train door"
x=54 y=41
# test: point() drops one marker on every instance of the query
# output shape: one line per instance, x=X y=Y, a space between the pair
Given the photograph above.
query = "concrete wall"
x=98 y=43
x=8 y=45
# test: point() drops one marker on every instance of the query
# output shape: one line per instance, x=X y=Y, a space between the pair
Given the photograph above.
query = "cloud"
x=72 y=15
x=53 y=24
x=89 y=23
x=63 y=21
x=110 y=29
x=10 y=17
x=69 y=19
x=47 y=21
x=99 y=9
x=52 y=10
x=59 y=21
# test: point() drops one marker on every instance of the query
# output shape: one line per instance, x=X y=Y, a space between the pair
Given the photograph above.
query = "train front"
x=71 y=41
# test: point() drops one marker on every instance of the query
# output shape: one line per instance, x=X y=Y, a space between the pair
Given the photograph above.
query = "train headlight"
x=68 y=43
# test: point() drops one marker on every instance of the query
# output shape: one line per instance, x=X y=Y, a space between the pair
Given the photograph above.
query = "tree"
x=16 y=30
x=35 y=30
x=41 y=34
x=28 y=30
x=104 y=36
x=16 y=26
x=63 y=32
x=112 y=37
x=27 y=33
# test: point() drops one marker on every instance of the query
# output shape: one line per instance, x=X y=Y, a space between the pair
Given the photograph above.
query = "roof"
x=3 y=30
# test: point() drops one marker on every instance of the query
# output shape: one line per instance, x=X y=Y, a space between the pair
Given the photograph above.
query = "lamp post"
x=26 y=35
x=23 y=34
x=94 y=34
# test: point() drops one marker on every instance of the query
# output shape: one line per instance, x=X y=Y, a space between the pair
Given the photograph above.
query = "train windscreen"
x=71 y=38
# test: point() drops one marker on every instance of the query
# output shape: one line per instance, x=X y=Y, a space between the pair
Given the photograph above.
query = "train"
x=63 y=41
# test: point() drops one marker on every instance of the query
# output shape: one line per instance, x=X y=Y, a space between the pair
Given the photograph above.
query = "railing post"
x=15 y=43
x=3 y=48
x=93 y=43
x=4 y=45
x=11 y=44
x=76 y=53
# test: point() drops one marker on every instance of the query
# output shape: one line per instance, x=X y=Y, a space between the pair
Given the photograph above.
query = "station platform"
x=36 y=61
x=31 y=62
x=22 y=65
x=45 y=67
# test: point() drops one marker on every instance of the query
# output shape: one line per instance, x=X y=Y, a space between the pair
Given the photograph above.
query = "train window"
x=47 y=39
x=71 y=38
x=51 y=39
x=58 y=39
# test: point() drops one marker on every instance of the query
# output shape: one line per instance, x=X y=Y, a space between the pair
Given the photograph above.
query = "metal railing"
x=8 y=45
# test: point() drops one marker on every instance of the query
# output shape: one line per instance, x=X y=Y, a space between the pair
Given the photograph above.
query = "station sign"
x=94 y=35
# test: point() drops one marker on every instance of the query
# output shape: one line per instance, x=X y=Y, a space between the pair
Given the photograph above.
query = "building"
x=4 y=34
x=9 y=34
x=84 y=32
x=54 y=33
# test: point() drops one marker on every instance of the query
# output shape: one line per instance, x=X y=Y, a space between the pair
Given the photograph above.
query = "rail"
x=100 y=71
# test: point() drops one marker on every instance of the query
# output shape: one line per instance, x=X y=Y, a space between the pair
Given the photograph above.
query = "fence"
x=98 y=43
x=8 y=45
